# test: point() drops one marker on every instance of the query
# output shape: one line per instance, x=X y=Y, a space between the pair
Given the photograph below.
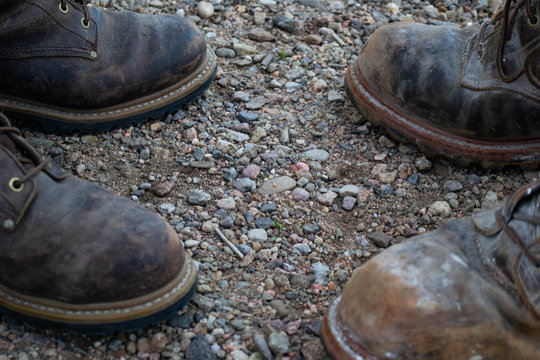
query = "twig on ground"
x=229 y=244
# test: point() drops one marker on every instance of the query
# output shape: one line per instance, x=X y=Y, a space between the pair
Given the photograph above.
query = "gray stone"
x=281 y=308
x=284 y=23
x=262 y=346
x=440 y=208
x=327 y=198
x=278 y=343
x=166 y=209
x=203 y=302
x=244 y=249
x=321 y=271
x=268 y=207
x=349 y=202
x=258 y=34
x=205 y=10
x=295 y=73
x=248 y=259
x=291 y=86
x=227 y=203
x=227 y=222
x=240 y=96
x=202 y=164
x=239 y=355
x=349 y=190
x=257 y=235
x=452 y=185
x=379 y=239
x=311 y=3
x=316 y=155
x=277 y=185
x=243 y=49
x=237 y=136
x=225 y=53
x=334 y=96
x=244 y=185
x=247 y=117
x=387 y=177
x=256 y=103
x=301 y=248
x=144 y=154
x=238 y=324
x=199 y=197
x=230 y=175
x=422 y=163
x=310 y=228
x=264 y=223
x=300 y=194
x=200 y=349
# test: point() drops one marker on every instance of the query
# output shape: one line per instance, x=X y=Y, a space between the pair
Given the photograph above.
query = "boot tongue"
x=512 y=254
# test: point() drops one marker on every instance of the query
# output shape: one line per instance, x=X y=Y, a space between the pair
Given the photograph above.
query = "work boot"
x=69 y=65
x=77 y=257
x=469 y=290
x=472 y=95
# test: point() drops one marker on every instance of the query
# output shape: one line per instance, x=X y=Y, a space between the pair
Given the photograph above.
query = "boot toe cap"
x=421 y=299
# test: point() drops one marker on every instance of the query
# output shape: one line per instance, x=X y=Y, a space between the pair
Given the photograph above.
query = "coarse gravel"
x=276 y=157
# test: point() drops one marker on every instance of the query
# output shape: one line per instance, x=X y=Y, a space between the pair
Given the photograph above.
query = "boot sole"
x=407 y=128
x=338 y=341
x=137 y=111
x=102 y=318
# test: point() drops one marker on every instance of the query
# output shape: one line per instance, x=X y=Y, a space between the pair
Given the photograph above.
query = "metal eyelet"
x=62 y=10
x=87 y=25
x=535 y=264
x=533 y=24
x=13 y=187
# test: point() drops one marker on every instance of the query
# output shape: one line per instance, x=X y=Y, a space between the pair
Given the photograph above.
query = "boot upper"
x=468 y=289
x=67 y=240
x=68 y=58
x=443 y=78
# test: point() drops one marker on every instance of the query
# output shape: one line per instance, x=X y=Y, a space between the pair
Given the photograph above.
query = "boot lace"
x=31 y=157
x=505 y=20
x=507 y=213
x=85 y=21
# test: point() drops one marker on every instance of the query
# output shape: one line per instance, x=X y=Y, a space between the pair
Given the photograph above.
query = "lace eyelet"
x=533 y=24
x=14 y=187
x=535 y=264
x=85 y=23
x=62 y=10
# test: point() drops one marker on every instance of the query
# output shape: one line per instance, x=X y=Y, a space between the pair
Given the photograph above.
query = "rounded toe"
x=420 y=299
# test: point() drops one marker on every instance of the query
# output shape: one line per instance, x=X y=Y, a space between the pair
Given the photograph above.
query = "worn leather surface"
x=78 y=243
x=48 y=57
x=440 y=295
x=480 y=70
x=503 y=256
x=419 y=69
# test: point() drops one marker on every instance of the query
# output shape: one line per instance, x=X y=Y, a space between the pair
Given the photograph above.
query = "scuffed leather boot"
x=469 y=290
x=75 y=256
x=470 y=95
x=70 y=66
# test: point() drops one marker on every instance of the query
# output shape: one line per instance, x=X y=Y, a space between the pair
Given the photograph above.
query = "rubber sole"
x=408 y=128
x=339 y=343
x=102 y=318
x=152 y=106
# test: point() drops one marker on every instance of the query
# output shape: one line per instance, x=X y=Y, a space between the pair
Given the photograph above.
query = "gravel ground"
x=276 y=158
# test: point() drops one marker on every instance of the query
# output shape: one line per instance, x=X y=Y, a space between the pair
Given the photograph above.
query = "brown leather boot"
x=470 y=95
x=70 y=66
x=470 y=290
x=75 y=256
